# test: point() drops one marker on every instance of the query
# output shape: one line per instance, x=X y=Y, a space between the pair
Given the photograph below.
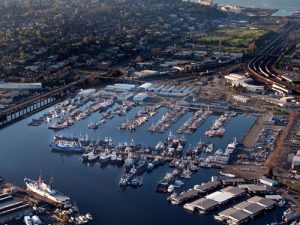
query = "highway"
x=260 y=66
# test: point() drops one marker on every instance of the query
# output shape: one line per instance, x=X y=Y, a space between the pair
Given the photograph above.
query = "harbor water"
x=285 y=7
x=25 y=152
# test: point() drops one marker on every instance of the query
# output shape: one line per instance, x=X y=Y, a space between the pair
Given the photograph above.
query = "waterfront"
x=25 y=152
x=284 y=9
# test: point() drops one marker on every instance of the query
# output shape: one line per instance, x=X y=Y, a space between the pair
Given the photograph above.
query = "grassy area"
x=233 y=40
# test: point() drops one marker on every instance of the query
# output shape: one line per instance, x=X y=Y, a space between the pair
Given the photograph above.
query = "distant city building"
x=202 y=2
x=21 y=86
x=239 y=80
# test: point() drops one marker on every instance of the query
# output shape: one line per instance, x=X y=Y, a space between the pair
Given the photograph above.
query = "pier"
x=27 y=108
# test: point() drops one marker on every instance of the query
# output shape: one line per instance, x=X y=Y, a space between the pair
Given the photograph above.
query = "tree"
x=270 y=173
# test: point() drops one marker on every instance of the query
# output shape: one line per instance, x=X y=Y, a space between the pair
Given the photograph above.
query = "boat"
x=209 y=147
x=150 y=167
x=137 y=181
x=114 y=157
x=93 y=126
x=120 y=159
x=104 y=158
x=92 y=157
x=220 y=132
x=186 y=174
x=171 y=188
x=178 y=183
x=128 y=163
x=231 y=147
x=193 y=168
x=67 y=146
x=281 y=203
x=84 y=140
x=41 y=188
x=27 y=220
x=123 y=181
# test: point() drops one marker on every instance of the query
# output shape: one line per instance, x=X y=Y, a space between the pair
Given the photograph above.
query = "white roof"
x=220 y=197
x=18 y=86
x=146 y=85
x=235 y=77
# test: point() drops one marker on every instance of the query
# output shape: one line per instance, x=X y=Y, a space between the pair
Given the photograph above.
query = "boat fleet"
x=167 y=120
x=120 y=110
x=191 y=125
x=140 y=118
x=217 y=129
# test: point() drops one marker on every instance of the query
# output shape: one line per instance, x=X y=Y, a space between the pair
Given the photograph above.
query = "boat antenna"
x=40 y=177
x=51 y=182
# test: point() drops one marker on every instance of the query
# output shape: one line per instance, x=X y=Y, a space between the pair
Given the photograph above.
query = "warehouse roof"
x=204 y=204
x=220 y=197
x=239 y=215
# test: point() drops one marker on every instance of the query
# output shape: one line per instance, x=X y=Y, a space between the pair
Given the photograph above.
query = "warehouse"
x=245 y=211
x=125 y=96
x=268 y=181
x=140 y=97
x=233 y=216
x=21 y=86
x=146 y=86
x=266 y=203
x=215 y=199
x=201 y=205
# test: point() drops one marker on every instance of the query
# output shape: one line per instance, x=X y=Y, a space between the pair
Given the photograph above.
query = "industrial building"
x=268 y=181
x=125 y=96
x=146 y=86
x=195 y=192
x=140 y=97
x=216 y=199
x=120 y=87
x=245 y=210
x=239 y=80
x=12 y=208
x=21 y=86
x=241 y=99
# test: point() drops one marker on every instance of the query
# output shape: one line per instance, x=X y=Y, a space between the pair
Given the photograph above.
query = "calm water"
x=24 y=152
x=285 y=7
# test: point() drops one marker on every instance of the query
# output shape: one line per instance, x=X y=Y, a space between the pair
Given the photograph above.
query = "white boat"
x=41 y=188
x=27 y=220
x=171 y=188
x=231 y=147
x=209 y=148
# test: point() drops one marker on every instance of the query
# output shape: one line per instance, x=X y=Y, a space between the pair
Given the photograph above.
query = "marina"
x=148 y=161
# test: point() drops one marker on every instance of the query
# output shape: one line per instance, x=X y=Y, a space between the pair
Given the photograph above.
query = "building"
x=239 y=80
x=21 y=86
x=146 y=86
x=125 y=96
x=140 y=97
x=241 y=99
x=268 y=181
